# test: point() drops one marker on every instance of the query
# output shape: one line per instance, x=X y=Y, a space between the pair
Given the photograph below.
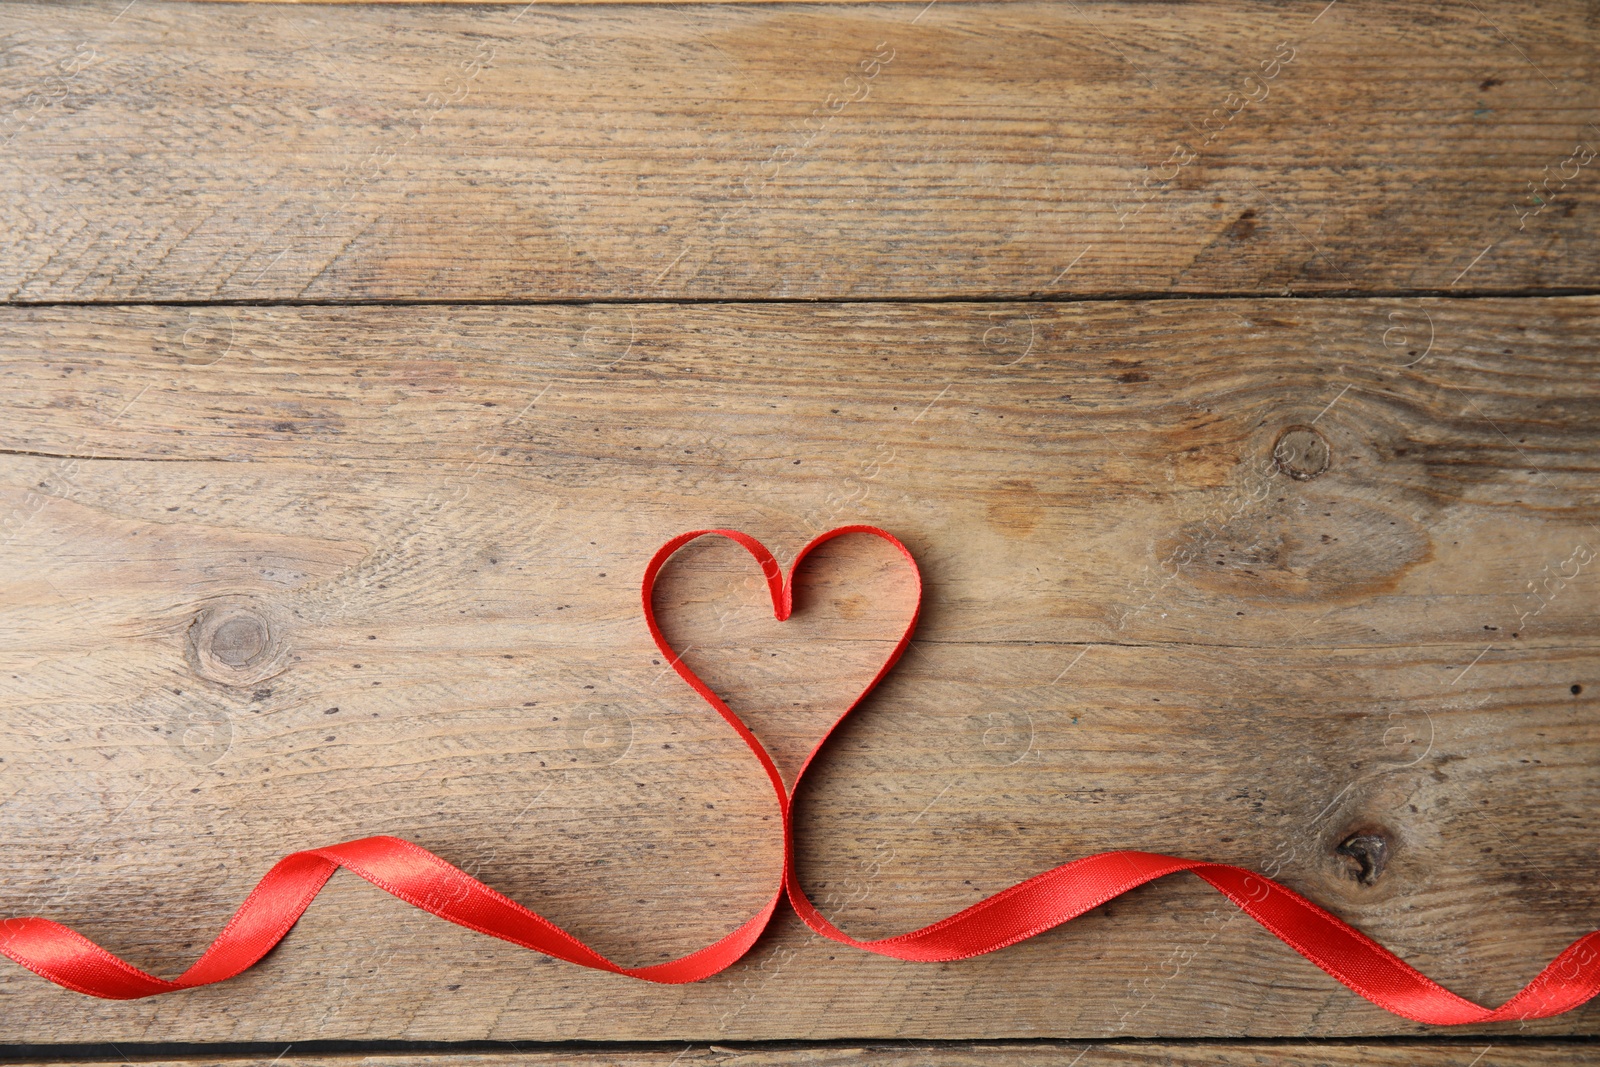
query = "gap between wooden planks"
x=572 y=3
x=1233 y=578
x=1143 y=1054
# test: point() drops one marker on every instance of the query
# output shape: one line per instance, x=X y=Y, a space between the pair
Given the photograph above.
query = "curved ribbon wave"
x=1040 y=903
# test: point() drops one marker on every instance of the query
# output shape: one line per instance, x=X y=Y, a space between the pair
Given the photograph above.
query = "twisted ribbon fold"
x=1040 y=903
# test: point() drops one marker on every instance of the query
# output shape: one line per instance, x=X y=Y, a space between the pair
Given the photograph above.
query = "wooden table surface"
x=1231 y=370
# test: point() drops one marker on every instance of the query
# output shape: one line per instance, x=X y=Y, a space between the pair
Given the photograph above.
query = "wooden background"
x=1230 y=369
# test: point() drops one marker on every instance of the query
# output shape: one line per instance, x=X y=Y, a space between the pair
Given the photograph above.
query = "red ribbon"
x=422 y=879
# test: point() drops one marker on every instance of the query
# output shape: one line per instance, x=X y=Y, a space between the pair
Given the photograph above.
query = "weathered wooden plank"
x=175 y=151
x=1071 y=427
x=280 y=576
x=1167 y=1054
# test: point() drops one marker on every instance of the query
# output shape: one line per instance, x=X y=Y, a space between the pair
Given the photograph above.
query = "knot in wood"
x=237 y=641
x=1301 y=452
x=1368 y=854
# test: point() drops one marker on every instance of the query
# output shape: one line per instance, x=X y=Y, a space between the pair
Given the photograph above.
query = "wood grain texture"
x=231 y=152
x=1234 y=578
x=1140 y=1054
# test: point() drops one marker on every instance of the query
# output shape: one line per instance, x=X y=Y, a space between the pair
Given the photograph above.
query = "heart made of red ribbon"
x=781 y=590
x=1040 y=903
